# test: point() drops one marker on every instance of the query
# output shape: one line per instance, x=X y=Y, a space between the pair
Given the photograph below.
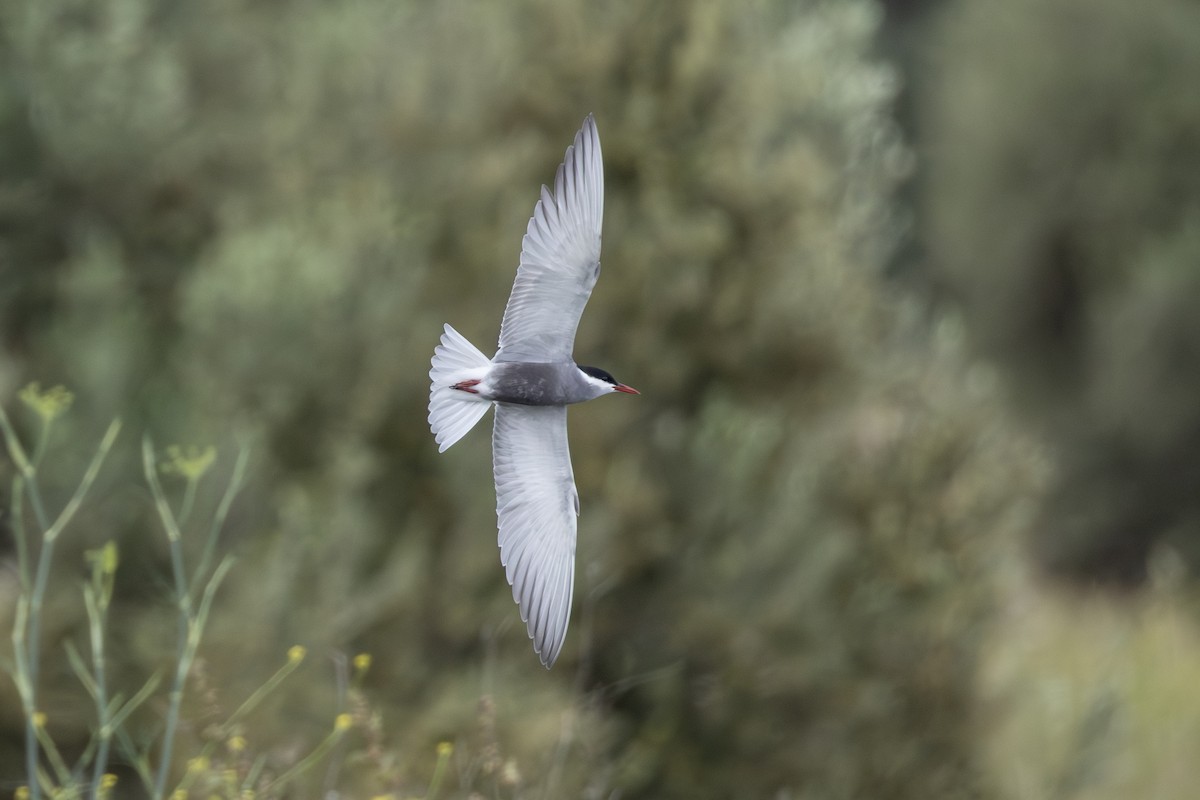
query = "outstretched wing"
x=560 y=258
x=537 y=507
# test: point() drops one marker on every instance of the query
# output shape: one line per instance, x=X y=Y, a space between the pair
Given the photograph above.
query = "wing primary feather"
x=560 y=257
x=535 y=494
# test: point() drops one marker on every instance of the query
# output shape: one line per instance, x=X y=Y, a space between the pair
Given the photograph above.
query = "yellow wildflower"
x=189 y=463
x=105 y=558
x=108 y=557
x=48 y=405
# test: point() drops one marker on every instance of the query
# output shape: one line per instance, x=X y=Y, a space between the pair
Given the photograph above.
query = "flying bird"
x=530 y=382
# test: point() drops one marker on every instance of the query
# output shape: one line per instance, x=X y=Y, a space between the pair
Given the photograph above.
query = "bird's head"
x=604 y=382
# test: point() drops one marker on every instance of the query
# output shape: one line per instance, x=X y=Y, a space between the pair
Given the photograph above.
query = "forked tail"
x=453 y=412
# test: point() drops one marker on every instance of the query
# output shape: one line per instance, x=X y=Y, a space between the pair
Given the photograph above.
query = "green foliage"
x=33 y=577
x=116 y=741
x=240 y=222
x=1063 y=210
x=1094 y=696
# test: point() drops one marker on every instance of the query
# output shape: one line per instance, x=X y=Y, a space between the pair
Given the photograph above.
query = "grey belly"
x=531 y=384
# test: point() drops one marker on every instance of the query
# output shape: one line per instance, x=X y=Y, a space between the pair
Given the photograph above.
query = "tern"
x=530 y=382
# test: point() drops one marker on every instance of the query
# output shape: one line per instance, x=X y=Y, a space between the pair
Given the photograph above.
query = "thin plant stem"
x=36 y=598
x=254 y=771
x=105 y=735
x=218 y=522
x=295 y=657
x=309 y=761
x=183 y=598
x=14 y=444
x=17 y=513
x=137 y=759
x=119 y=713
x=89 y=478
x=28 y=638
x=444 y=751
x=189 y=500
x=191 y=622
x=97 y=596
x=174 y=703
x=129 y=706
x=39 y=448
x=259 y=694
x=61 y=771
x=28 y=692
x=20 y=625
x=52 y=532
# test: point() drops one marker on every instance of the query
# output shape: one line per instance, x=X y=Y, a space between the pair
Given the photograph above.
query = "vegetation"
x=1063 y=214
x=803 y=568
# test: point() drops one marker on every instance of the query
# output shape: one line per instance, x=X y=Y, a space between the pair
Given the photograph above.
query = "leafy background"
x=908 y=507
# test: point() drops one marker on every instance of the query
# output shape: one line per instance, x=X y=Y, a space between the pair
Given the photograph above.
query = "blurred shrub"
x=251 y=220
x=1062 y=206
x=1094 y=697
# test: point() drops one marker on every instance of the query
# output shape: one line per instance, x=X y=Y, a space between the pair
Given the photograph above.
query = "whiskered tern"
x=530 y=381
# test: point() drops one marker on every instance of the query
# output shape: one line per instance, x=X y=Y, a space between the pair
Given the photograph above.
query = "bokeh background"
x=908 y=508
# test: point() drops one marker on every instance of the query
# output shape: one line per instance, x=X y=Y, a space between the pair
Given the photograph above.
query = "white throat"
x=600 y=387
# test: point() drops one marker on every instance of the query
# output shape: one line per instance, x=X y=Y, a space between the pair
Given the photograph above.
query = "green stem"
x=41 y=578
x=189 y=499
x=17 y=513
x=439 y=770
x=309 y=761
x=31 y=647
x=102 y=711
x=39 y=449
x=26 y=678
x=29 y=652
x=183 y=598
x=31 y=756
x=51 y=535
x=218 y=522
x=259 y=694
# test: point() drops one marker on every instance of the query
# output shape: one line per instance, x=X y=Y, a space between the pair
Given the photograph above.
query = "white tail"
x=453 y=412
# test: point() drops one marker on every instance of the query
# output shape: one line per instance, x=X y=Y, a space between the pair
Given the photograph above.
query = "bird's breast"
x=531 y=384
